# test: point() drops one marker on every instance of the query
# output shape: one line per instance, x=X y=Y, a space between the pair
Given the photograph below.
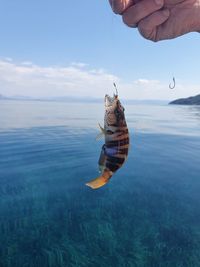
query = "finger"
x=148 y=26
x=139 y=11
x=119 y=6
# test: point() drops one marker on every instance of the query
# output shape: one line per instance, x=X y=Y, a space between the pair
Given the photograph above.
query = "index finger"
x=119 y=6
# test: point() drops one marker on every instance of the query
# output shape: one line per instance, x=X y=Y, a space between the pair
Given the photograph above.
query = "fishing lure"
x=115 y=150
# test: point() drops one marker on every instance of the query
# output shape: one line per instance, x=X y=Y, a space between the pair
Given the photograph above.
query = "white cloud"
x=27 y=63
x=33 y=80
x=146 y=82
x=29 y=79
x=8 y=59
x=79 y=64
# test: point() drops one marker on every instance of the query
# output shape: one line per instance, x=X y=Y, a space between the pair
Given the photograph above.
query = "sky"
x=79 y=48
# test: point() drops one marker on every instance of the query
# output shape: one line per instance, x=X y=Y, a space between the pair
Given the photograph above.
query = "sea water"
x=148 y=215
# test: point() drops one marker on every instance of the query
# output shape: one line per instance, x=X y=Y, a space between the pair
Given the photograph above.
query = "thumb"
x=119 y=6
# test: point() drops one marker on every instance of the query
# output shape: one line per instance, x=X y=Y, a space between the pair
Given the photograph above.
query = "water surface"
x=147 y=216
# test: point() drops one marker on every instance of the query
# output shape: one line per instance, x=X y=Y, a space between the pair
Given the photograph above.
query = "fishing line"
x=114 y=18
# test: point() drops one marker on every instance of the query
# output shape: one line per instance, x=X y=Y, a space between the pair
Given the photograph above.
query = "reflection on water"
x=194 y=112
x=171 y=119
x=147 y=216
x=24 y=114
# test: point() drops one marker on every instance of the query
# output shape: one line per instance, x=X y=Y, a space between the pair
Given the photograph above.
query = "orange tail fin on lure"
x=100 y=181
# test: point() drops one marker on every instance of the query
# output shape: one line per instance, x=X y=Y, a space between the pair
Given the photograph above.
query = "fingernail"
x=159 y=2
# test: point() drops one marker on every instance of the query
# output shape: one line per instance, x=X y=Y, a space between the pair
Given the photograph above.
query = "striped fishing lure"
x=115 y=150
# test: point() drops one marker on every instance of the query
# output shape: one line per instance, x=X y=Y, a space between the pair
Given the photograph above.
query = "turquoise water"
x=147 y=216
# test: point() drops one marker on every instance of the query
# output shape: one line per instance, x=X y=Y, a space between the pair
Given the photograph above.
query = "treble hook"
x=174 y=84
x=115 y=88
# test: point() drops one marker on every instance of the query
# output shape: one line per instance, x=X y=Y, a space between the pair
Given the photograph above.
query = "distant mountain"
x=76 y=99
x=52 y=99
x=2 y=97
x=144 y=102
x=193 y=100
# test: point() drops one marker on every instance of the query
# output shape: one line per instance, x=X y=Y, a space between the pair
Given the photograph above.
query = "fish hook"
x=174 y=84
x=115 y=89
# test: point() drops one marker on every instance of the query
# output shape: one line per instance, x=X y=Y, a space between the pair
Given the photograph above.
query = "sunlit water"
x=147 y=216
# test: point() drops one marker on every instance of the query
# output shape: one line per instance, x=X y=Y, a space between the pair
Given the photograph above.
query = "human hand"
x=159 y=19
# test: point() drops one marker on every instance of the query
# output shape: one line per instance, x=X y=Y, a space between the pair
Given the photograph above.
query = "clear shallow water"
x=147 y=216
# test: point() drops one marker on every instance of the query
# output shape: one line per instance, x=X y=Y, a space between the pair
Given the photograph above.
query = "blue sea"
x=148 y=215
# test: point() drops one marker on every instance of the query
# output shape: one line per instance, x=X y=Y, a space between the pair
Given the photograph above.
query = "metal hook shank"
x=115 y=88
x=174 y=84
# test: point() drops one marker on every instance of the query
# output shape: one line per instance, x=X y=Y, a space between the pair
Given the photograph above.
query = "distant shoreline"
x=192 y=100
x=83 y=100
